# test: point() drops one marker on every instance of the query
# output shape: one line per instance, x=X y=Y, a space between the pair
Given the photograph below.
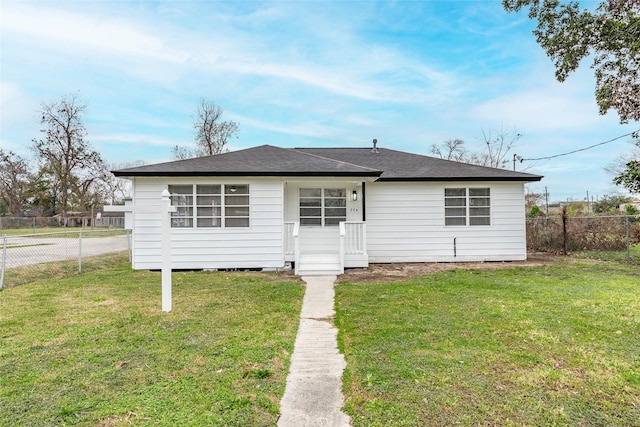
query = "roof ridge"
x=300 y=150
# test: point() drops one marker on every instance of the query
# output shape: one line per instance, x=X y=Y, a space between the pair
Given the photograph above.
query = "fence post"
x=4 y=259
x=564 y=230
x=626 y=226
x=79 y=252
x=129 y=243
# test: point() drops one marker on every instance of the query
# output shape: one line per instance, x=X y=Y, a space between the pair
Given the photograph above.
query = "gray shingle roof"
x=386 y=165
x=265 y=160
x=403 y=166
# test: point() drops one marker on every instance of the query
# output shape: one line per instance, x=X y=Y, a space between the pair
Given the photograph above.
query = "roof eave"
x=451 y=179
x=256 y=174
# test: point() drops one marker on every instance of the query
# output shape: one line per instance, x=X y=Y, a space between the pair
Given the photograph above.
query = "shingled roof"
x=383 y=164
x=265 y=160
x=403 y=166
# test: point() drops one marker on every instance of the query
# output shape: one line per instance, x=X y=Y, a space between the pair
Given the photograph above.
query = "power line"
x=635 y=132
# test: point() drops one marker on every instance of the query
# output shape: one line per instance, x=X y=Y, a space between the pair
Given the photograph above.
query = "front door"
x=322 y=207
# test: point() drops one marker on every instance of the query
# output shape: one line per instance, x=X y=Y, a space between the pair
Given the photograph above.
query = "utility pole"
x=546 y=199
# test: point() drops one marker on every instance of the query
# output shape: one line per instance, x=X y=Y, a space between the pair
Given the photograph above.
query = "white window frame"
x=467 y=207
x=216 y=207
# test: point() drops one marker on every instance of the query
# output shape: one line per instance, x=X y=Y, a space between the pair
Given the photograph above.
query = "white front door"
x=322 y=207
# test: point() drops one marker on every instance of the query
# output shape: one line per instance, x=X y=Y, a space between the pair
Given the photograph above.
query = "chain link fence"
x=34 y=223
x=619 y=236
x=56 y=254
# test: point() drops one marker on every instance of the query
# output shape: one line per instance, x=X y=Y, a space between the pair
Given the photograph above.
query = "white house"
x=324 y=209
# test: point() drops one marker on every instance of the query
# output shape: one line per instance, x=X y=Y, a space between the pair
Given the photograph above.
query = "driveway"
x=36 y=250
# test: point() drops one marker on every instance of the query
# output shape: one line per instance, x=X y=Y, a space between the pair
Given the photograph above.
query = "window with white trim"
x=323 y=206
x=467 y=206
x=210 y=206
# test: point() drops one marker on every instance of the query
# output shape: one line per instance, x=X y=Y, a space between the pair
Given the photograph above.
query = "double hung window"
x=323 y=206
x=210 y=206
x=467 y=206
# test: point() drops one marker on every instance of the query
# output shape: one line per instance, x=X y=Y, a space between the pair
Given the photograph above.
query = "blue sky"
x=304 y=73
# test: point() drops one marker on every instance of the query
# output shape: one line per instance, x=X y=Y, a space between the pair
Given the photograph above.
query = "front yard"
x=497 y=345
x=95 y=350
x=550 y=345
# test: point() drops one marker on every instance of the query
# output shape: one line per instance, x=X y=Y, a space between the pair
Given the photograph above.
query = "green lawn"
x=632 y=256
x=95 y=349
x=538 y=346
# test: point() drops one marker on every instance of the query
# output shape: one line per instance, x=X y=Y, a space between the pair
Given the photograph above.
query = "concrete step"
x=319 y=263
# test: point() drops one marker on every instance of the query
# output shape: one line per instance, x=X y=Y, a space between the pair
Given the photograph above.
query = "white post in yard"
x=165 y=230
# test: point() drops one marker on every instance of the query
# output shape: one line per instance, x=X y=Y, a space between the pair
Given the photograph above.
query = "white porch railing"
x=355 y=238
x=352 y=244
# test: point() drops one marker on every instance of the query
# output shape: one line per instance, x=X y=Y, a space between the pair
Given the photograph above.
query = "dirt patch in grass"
x=398 y=271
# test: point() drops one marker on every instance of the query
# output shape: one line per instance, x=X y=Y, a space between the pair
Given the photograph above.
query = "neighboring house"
x=324 y=209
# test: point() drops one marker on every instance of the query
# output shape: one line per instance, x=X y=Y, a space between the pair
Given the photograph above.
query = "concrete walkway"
x=313 y=396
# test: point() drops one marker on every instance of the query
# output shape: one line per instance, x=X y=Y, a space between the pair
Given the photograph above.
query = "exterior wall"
x=259 y=246
x=405 y=223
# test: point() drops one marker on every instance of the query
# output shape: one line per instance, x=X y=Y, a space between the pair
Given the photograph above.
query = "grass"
x=95 y=349
x=634 y=255
x=521 y=346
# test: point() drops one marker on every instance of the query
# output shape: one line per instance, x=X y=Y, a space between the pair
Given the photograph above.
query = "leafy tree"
x=14 y=182
x=44 y=192
x=576 y=208
x=535 y=212
x=63 y=150
x=610 y=35
x=89 y=191
x=630 y=178
x=609 y=203
x=212 y=134
x=631 y=210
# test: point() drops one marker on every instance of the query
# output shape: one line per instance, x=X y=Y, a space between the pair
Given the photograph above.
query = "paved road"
x=36 y=250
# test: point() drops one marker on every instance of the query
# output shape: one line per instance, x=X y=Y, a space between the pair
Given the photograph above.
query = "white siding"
x=259 y=246
x=405 y=223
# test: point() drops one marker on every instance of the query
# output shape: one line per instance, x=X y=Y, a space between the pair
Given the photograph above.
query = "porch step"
x=319 y=264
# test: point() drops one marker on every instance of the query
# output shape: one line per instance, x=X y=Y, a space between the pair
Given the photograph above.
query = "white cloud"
x=71 y=31
x=348 y=69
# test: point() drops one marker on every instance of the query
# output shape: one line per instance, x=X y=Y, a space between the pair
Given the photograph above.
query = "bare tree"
x=64 y=149
x=14 y=182
x=211 y=134
x=497 y=145
x=451 y=149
